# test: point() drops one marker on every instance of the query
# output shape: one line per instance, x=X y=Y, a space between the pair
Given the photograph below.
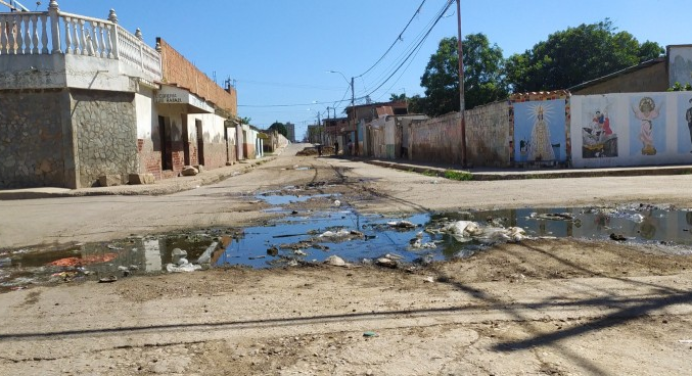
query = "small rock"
x=190 y=171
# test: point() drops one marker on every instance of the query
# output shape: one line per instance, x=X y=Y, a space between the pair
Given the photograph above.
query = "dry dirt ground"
x=539 y=307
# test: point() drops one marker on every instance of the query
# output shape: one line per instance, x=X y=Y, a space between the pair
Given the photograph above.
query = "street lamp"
x=353 y=92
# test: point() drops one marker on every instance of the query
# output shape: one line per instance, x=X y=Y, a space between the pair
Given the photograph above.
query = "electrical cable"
x=399 y=38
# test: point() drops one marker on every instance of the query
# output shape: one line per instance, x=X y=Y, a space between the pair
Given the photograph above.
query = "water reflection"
x=298 y=238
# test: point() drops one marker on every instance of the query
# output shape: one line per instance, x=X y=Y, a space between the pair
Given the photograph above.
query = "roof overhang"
x=177 y=96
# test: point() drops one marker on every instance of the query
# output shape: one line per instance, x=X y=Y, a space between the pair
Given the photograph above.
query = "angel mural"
x=646 y=113
x=598 y=137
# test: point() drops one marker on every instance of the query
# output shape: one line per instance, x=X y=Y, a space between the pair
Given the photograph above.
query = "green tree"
x=483 y=75
x=245 y=120
x=279 y=127
x=577 y=55
x=397 y=97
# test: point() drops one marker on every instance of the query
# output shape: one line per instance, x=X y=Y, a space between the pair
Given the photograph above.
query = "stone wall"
x=488 y=135
x=106 y=128
x=36 y=145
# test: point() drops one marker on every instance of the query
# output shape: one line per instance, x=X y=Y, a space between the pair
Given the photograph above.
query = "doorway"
x=165 y=139
x=200 y=142
x=186 y=142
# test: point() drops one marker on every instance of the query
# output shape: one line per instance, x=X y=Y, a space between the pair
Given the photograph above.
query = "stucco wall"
x=106 y=128
x=488 y=135
x=436 y=140
x=36 y=140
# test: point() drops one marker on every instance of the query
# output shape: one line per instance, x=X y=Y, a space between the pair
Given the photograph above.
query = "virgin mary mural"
x=539 y=131
x=540 y=148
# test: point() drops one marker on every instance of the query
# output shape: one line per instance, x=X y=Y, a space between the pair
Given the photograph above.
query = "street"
x=543 y=306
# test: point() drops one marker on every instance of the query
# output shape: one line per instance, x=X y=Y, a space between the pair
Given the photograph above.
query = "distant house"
x=655 y=75
x=360 y=115
x=83 y=98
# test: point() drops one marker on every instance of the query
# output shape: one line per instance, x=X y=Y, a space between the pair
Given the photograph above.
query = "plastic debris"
x=401 y=225
x=335 y=260
x=370 y=334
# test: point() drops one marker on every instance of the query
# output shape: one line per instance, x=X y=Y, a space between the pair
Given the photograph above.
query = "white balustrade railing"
x=54 y=32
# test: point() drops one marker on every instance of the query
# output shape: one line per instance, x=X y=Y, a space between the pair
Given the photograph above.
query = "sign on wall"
x=631 y=129
x=539 y=131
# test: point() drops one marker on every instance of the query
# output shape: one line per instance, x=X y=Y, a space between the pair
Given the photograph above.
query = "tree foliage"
x=483 y=75
x=279 y=127
x=577 y=55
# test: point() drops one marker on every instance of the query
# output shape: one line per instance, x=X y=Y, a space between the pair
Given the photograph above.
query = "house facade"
x=82 y=98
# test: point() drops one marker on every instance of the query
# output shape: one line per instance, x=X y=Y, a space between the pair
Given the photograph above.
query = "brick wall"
x=177 y=70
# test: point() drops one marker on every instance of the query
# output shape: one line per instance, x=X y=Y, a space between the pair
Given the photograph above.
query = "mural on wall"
x=685 y=124
x=647 y=129
x=539 y=131
x=680 y=65
x=599 y=139
x=651 y=128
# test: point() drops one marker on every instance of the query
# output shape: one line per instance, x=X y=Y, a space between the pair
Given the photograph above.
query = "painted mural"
x=680 y=63
x=647 y=126
x=631 y=129
x=685 y=123
x=598 y=131
x=539 y=131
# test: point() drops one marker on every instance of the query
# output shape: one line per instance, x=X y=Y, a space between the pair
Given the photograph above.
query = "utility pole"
x=319 y=126
x=462 y=103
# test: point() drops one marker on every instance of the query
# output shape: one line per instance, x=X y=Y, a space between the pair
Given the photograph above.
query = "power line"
x=408 y=52
x=415 y=50
x=399 y=38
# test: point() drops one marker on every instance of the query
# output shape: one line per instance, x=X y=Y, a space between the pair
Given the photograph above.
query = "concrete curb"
x=538 y=173
x=161 y=187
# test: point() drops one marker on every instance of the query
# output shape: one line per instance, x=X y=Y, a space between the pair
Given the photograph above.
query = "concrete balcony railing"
x=55 y=33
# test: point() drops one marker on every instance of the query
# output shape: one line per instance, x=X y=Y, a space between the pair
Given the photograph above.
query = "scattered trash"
x=84 y=260
x=370 y=334
x=337 y=203
x=335 y=260
x=183 y=268
x=617 y=237
x=205 y=258
x=109 y=279
x=429 y=279
x=401 y=225
x=299 y=253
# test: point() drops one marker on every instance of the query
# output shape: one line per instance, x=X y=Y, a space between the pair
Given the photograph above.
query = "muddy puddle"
x=307 y=237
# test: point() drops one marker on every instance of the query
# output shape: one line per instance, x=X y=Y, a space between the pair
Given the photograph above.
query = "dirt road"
x=553 y=307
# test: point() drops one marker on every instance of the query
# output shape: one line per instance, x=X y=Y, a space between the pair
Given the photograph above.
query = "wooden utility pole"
x=462 y=103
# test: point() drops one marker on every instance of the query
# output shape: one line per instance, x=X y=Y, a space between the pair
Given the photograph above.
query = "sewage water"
x=300 y=238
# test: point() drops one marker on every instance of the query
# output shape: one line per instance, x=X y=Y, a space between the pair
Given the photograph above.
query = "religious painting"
x=684 y=116
x=539 y=131
x=599 y=136
x=647 y=125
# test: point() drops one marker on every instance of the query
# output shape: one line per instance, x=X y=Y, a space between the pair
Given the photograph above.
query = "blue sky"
x=279 y=52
